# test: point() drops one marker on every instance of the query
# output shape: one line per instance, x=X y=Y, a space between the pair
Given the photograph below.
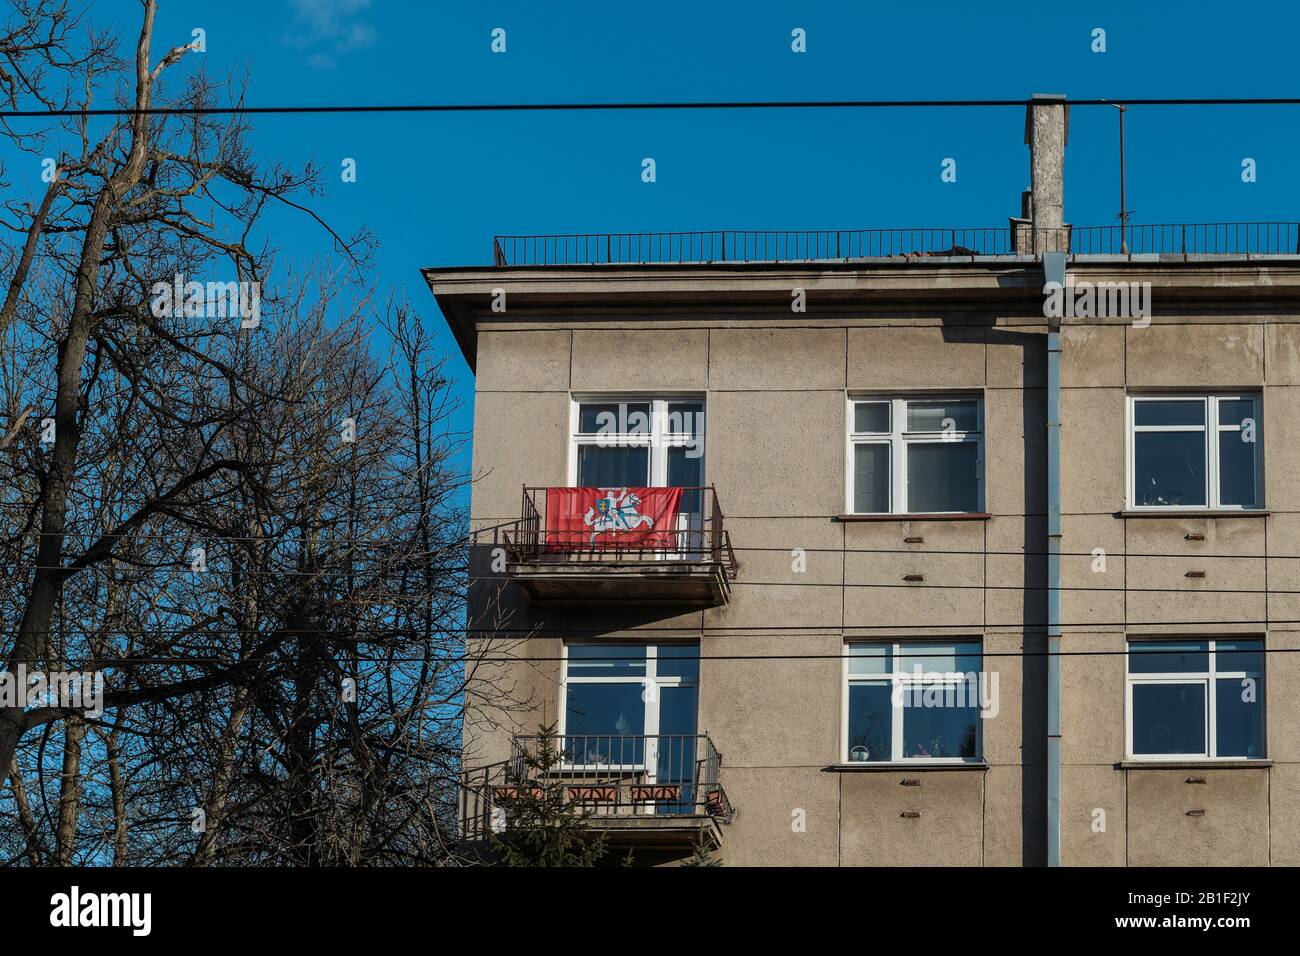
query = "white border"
x=893 y=678
x=650 y=767
x=1212 y=430
x=897 y=439
x=658 y=441
x=1206 y=680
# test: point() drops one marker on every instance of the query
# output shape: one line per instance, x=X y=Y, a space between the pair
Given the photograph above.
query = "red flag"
x=609 y=519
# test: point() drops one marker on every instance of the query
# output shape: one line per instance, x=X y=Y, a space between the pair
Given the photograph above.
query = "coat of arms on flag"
x=608 y=519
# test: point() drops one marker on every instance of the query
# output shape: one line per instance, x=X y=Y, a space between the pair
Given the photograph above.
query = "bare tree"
x=253 y=524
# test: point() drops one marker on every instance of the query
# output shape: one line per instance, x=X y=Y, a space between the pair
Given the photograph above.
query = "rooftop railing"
x=821 y=245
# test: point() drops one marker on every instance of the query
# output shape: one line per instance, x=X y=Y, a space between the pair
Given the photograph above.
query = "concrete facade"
x=812 y=579
x=775 y=388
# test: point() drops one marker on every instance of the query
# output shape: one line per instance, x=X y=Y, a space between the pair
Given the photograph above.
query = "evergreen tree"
x=702 y=855
x=544 y=826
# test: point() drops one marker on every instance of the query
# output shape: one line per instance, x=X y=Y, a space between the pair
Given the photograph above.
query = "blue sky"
x=434 y=188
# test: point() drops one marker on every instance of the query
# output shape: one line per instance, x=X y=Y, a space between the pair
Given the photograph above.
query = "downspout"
x=1054 y=271
x=1047 y=131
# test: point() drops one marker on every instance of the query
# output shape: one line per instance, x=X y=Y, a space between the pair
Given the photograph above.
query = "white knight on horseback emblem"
x=616 y=512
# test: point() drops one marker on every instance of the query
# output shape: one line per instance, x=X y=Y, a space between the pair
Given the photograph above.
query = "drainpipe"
x=1054 y=271
x=1047 y=130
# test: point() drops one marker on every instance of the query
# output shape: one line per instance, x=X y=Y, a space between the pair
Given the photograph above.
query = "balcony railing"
x=660 y=784
x=730 y=245
x=689 y=564
x=700 y=536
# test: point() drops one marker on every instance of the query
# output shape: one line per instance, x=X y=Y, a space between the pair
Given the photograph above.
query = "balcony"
x=661 y=791
x=557 y=559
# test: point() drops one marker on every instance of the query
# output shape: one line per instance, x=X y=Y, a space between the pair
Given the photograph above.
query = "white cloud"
x=358 y=36
x=330 y=27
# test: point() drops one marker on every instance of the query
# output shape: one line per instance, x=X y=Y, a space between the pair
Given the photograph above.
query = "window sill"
x=1194 y=513
x=967 y=516
x=894 y=766
x=1201 y=764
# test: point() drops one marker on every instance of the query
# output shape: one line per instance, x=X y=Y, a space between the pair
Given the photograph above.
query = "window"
x=912 y=701
x=630 y=707
x=1196 y=699
x=915 y=455
x=1199 y=451
x=638 y=443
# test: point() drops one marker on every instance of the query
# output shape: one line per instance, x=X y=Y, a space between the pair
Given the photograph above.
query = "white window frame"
x=1212 y=430
x=658 y=440
x=651 y=678
x=898 y=439
x=907 y=678
x=1206 y=680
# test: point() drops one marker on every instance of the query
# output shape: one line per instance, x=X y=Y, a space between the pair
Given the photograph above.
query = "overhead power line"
x=578 y=107
x=197 y=538
x=379 y=631
x=471 y=659
x=360 y=572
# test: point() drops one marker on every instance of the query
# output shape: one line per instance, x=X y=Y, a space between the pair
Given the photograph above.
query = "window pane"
x=870 y=659
x=679 y=660
x=677 y=746
x=1169 y=412
x=1168 y=719
x=1169 y=657
x=939 y=731
x=606 y=660
x=870 y=722
x=613 y=467
x=686 y=470
x=1236 y=469
x=1235 y=411
x=870 y=479
x=942 y=477
x=1169 y=468
x=1246 y=656
x=677 y=707
x=962 y=658
x=630 y=418
x=685 y=418
x=928 y=416
x=604 y=724
x=871 y=417
x=1239 y=717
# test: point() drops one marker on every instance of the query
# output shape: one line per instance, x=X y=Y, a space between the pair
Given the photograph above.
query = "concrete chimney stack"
x=1047 y=131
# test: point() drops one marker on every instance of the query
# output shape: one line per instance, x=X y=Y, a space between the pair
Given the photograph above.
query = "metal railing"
x=617 y=775
x=628 y=248
x=746 y=246
x=1198 y=239
x=699 y=535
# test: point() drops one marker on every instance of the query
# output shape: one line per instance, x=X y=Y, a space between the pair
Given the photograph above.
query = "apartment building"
x=898 y=547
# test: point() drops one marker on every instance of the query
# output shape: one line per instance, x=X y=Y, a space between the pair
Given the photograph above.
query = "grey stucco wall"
x=775 y=390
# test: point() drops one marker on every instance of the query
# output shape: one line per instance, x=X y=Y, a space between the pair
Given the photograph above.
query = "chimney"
x=1041 y=226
